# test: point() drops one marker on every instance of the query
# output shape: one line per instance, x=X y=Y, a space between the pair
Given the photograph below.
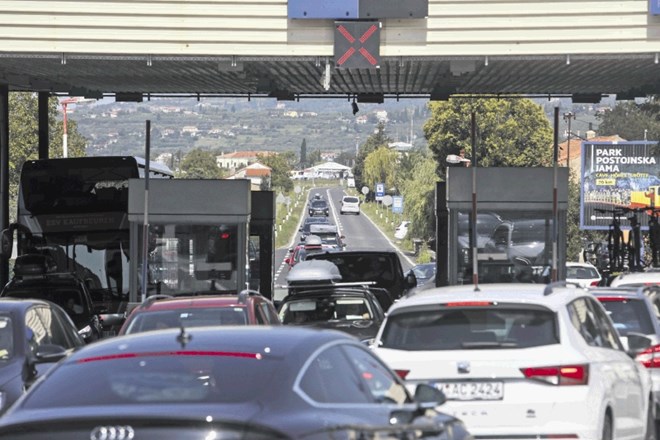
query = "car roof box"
x=313 y=272
x=34 y=264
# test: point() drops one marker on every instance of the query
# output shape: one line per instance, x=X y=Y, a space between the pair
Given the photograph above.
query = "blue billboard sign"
x=654 y=7
x=397 y=204
x=357 y=9
x=380 y=189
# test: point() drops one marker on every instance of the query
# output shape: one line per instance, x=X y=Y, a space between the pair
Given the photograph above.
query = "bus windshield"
x=76 y=211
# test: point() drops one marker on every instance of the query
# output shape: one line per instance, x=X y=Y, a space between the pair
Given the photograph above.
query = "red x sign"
x=357 y=44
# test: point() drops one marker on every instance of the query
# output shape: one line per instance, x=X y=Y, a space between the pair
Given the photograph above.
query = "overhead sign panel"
x=617 y=177
x=394 y=8
x=357 y=44
x=357 y=9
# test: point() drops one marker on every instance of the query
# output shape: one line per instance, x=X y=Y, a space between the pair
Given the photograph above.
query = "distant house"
x=257 y=173
x=575 y=147
x=400 y=147
x=190 y=129
x=239 y=159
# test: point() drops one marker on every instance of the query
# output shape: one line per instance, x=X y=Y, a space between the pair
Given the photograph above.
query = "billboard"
x=617 y=177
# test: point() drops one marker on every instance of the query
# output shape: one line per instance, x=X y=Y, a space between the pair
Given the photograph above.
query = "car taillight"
x=595 y=283
x=402 y=373
x=559 y=375
x=650 y=357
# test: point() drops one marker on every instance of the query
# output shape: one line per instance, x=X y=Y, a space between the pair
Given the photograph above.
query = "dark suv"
x=34 y=279
x=318 y=207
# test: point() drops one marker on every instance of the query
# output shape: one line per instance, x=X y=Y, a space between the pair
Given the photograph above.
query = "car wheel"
x=607 y=428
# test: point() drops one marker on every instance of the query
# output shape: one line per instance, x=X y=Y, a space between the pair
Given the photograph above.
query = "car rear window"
x=307 y=310
x=630 y=315
x=319 y=204
x=460 y=328
x=581 y=273
x=351 y=200
x=193 y=317
x=158 y=377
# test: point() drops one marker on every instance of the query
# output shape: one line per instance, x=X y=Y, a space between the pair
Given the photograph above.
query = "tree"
x=419 y=198
x=281 y=166
x=303 y=153
x=629 y=121
x=24 y=137
x=510 y=132
x=199 y=164
x=380 y=166
x=378 y=139
x=314 y=157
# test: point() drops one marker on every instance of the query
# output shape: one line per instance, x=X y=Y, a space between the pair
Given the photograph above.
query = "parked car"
x=521 y=361
x=633 y=314
x=160 y=311
x=34 y=278
x=227 y=382
x=318 y=207
x=583 y=274
x=34 y=335
x=383 y=268
x=350 y=204
x=402 y=230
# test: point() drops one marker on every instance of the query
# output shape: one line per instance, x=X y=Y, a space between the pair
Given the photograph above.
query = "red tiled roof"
x=576 y=146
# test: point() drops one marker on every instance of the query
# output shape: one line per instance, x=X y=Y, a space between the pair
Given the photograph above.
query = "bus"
x=75 y=210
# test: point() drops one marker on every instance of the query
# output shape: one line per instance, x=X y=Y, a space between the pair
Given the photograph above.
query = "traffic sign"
x=280 y=199
x=397 y=204
x=380 y=189
x=297 y=189
x=387 y=200
x=365 y=190
x=357 y=44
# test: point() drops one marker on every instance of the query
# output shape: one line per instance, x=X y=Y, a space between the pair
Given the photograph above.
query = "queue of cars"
x=502 y=361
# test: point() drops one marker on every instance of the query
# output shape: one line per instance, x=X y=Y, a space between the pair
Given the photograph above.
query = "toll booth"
x=514 y=225
x=197 y=237
x=262 y=245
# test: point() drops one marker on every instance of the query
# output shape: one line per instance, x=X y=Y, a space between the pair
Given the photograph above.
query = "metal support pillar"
x=43 y=125
x=4 y=175
x=442 y=235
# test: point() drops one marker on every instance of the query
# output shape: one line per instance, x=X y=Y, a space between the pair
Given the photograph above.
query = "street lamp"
x=65 y=136
x=567 y=117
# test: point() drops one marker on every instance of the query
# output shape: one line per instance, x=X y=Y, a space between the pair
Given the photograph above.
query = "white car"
x=582 y=274
x=637 y=279
x=350 y=204
x=402 y=230
x=521 y=361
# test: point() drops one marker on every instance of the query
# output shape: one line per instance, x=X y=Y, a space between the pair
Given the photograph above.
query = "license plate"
x=472 y=390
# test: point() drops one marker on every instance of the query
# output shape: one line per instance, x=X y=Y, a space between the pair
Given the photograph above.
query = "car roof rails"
x=153 y=298
x=34 y=265
x=549 y=289
x=244 y=294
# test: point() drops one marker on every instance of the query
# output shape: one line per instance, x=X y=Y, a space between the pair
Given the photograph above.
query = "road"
x=359 y=232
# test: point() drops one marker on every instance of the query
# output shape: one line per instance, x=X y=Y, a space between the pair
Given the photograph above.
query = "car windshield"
x=458 y=328
x=629 y=315
x=157 y=377
x=6 y=338
x=309 y=310
x=424 y=271
x=192 y=317
x=581 y=273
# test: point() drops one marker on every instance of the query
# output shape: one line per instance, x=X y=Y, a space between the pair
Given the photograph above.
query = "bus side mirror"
x=6 y=243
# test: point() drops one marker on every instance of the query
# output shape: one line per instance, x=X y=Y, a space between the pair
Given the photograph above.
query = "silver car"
x=634 y=312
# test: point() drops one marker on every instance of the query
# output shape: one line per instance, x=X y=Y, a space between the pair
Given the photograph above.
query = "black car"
x=207 y=382
x=318 y=207
x=34 y=334
x=381 y=267
x=33 y=279
x=353 y=310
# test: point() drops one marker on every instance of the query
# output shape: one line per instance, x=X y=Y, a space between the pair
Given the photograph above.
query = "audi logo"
x=112 y=433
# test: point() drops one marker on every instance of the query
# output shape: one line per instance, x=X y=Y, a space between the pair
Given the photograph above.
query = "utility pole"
x=567 y=117
x=65 y=135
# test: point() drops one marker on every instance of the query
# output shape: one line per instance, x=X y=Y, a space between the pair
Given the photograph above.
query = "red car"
x=161 y=311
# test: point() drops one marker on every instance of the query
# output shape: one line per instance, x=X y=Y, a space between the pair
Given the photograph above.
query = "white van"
x=350 y=204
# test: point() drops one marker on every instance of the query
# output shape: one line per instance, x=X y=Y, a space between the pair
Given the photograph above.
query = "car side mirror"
x=429 y=396
x=113 y=319
x=48 y=353
x=287 y=260
x=411 y=280
x=637 y=342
